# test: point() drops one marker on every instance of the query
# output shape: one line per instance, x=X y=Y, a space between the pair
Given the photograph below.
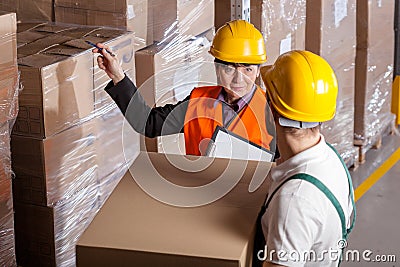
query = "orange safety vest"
x=204 y=114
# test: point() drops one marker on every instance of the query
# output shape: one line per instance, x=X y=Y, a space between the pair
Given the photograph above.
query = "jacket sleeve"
x=151 y=122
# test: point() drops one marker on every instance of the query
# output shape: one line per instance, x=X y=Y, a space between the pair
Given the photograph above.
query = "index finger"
x=101 y=45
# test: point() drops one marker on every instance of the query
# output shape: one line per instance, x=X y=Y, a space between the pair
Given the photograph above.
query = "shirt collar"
x=242 y=101
x=298 y=162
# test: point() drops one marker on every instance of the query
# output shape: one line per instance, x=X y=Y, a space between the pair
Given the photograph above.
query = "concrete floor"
x=377 y=231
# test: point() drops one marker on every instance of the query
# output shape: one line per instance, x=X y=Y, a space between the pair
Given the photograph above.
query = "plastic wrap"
x=46 y=236
x=117 y=146
x=108 y=183
x=51 y=169
x=282 y=23
x=174 y=71
x=176 y=21
x=5 y=152
x=374 y=71
x=332 y=35
x=67 y=143
x=7 y=250
x=75 y=125
x=71 y=217
x=9 y=87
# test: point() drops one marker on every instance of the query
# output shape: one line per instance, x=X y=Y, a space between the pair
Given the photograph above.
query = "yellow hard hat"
x=302 y=87
x=239 y=41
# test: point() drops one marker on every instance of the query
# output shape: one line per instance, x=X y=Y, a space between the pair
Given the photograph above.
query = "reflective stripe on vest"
x=205 y=113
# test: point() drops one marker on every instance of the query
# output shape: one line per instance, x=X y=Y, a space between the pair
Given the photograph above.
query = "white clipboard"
x=226 y=144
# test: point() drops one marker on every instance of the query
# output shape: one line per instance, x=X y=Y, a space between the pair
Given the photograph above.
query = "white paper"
x=285 y=45
x=131 y=12
x=223 y=148
x=340 y=11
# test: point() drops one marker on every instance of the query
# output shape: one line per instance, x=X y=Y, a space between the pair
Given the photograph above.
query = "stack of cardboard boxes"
x=374 y=72
x=8 y=111
x=331 y=33
x=59 y=135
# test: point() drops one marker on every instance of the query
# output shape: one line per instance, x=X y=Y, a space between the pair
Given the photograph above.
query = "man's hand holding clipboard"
x=226 y=144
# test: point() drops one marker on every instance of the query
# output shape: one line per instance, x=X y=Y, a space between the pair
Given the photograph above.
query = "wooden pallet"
x=352 y=163
x=374 y=142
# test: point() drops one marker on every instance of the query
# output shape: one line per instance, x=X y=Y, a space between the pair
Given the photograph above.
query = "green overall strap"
x=353 y=220
x=324 y=189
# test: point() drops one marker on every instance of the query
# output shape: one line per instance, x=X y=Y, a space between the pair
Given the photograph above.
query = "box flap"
x=64 y=50
x=40 y=60
x=53 y=28
x=42 y=44
x=29 y=36
x=80 y=32
x=26 y=26
x=133 y=223
x=107 y=33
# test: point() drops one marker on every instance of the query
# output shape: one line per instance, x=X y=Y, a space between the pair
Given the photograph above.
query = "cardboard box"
x=58 y=93
x=8 y=43
x=145 y=230
x=26 y=37
x=108 y=183
x=166 y=74
x=51 y=103
x=8 y=5
x=35 y=10
x=117 y=143
x=186 y=18
x=7 y=252
x=132 y=15
x=29 y=10
x=374 y=71
x=46 y=236
x=123 y=47
x=223 y=12
x=160 y=67
x=5 y=197
x=282 y=25
x=9 y=85
x=5 y=151
x=49 y=170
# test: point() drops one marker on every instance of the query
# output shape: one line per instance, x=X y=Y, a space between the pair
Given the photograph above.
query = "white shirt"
x=300 y=222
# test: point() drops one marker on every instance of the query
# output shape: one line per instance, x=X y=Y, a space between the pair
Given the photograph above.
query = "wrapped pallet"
x=9 y=84
x=67 y=142
x=374 y=71
x=46 y=236
x=330 y=32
